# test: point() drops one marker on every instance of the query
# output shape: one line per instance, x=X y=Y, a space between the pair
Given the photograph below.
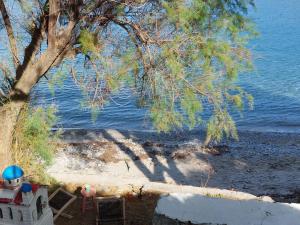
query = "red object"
x=18 y=199
x=35 y=187
x=5 y=200
x=88 y=198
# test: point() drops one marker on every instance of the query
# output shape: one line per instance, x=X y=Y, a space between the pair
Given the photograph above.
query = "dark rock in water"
x=293 y=197
x=152 y=144
x=218 y=150
x=148 y=144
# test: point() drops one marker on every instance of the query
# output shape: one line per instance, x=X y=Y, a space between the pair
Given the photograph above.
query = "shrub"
x=34 y=142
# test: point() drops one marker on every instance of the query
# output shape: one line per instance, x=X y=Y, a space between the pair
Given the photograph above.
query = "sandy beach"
x=259 y=163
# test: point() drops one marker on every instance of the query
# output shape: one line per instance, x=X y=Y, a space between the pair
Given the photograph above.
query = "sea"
x=274 y=82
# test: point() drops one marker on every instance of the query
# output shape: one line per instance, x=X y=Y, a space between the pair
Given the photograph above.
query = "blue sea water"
x=275 y=83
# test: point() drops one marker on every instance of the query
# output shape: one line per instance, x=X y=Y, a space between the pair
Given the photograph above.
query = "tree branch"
x=32 y=48
x=54 y=8
x=10 y=34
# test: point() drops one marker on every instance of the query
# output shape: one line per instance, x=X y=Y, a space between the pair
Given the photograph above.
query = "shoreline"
x=259 y=164
x=197 y=135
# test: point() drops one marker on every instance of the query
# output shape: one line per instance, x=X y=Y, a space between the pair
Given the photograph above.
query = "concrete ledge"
x=107 y=184
x=181 y=208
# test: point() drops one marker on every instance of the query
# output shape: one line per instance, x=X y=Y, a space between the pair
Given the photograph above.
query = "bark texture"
x=8 y=119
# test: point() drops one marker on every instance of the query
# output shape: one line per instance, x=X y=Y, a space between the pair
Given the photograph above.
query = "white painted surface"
x=125 y=185
x=201 y=209
x=27 y=211
x=9 y=194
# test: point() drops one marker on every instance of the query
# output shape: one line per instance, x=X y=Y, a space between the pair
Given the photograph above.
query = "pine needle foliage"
x=179 y=57
x=88 y=42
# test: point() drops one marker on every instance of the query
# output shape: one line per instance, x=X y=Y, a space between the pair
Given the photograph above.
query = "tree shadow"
x=159 y=169
x=157 y=148
x=180 y=158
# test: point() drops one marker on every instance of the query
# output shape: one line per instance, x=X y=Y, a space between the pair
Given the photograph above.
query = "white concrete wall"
x=201 y=209
x=15 y=212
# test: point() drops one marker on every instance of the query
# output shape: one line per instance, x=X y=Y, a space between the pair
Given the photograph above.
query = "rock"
x=266 y=199
x=181 y=155
x=152 y=144
x=218 y=150
x=92 y=164
x=98 y=154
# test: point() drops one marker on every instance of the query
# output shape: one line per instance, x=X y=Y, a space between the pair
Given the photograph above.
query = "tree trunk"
x=8 y=118
x=9 y=112
x=33 y=67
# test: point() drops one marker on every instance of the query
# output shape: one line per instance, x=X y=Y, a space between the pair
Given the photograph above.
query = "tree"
x=180 y=56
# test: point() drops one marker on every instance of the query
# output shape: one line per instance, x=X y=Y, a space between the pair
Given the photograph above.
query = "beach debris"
x=137 y=191
x=127 y=165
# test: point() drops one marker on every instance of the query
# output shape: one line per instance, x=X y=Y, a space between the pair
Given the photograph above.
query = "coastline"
x=85 y=135
x=259 y=163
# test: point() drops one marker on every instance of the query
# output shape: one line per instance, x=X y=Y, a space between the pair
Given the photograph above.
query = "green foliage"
x=196 y=69
x=57 y=79
x=130 y=68
x=192 y=106
x=35 y=132
x=164 y=117
x=238 y=101
x=215 y=195
x=180 y=57
x=221 y=123
x=89 y=42
x=201 y=64
x=34 y=142
x=219 y=195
